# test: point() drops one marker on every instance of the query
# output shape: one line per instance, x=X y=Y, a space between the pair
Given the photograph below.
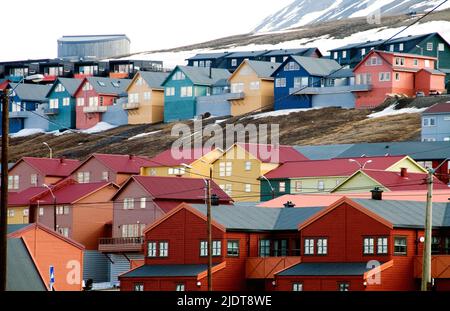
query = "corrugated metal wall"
x=121 y=265
x=217 y=106
x=96 y=266
x=100 y=49
x=344 y=100
x=116 y=115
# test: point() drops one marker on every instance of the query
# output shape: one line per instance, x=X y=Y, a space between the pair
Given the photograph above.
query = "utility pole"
x=426 y=266
x=208 y=216
x=4 y=188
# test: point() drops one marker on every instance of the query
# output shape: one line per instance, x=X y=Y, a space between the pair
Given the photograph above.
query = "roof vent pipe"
x=377 y=194
x=289 y=204
x=404 y=172
x=214 y=200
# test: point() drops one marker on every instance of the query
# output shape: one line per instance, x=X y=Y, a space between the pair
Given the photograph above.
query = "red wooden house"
x=396 y=73
x=353 y=244
x=93 y=97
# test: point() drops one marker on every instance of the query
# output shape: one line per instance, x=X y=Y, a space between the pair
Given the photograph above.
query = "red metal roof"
x=395 y=182
x=283 y=153
x=168 y=158
x=51 y=167
x=70 y=192
x=24 y=197
x=439 y=108
x=178 y=188
x=126 y=164
x=333 y=167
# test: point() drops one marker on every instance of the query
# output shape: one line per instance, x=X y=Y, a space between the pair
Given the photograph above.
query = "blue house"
x=218 y=103
x=62 y=102
x=214 y=60
x=27 y=105
x=184 y=85
x=279 y=56
x=234 y=60
x=299 y=78
x=436 y=123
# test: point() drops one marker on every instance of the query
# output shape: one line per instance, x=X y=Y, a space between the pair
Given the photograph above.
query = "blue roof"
x=70 y=84
x=203 y=56
x=166 y=271
x=323 y=152
x=14 y=228
x=247 y=54
x=326 y=269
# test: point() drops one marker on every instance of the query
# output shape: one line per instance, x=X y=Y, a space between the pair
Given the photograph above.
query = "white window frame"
x=225 y=169
x=34 y=179
x=280 y=82
x=128 y=203
x=297 y=287
x=322 y=246
x=430 y=46
x=66 y=101
x=255 y=85
x=369 y=246
x=282 y=187
x=163 y=249
x=298 y=185
x=152 y=248
x=248 y=188
x=143 y=203
x=321 y=185
x=382 y=246
x=308 y=247
x=248 y=166
x=105 y=175
x=234 y=62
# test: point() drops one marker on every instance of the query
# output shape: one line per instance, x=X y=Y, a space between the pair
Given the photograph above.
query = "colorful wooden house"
x=146 y=98
x=19 y=205
x=214 y=60
x=141 y=201
x=94 y=96
x=34 y=172
x=279 y=56
x=184 y=85
x=47 y=248
x=15 y=71
x=319 y=176
x=337 y=248
x=395 y=73
x=128 y=68
x=62 y=104
x=436 y=123
x=235 y=59
x=252 y=87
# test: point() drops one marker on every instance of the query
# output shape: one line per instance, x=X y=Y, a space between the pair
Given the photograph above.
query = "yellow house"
x=253 y=86
x=146 y=98
x=18 y=215
x=19 y=204
x=238 y=170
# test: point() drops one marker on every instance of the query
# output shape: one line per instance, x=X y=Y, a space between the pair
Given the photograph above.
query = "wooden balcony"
x=118 y=245
x=95 y=109
x=266 y=267
x=18 y=114
x=236 y=96
x=51 y=111
x=130 y=106
x=440 y=266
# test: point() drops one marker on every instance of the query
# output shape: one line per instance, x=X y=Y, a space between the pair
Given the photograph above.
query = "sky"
x=149 y=24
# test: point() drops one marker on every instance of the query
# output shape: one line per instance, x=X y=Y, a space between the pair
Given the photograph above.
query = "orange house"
x=395 y=73
x=48 y=248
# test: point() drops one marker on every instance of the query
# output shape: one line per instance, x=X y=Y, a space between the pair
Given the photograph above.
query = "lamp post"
x=54 y=205
x=4 y=176
x=361 y=166
x=49 y=148
x=272 y=190
x=421 y=49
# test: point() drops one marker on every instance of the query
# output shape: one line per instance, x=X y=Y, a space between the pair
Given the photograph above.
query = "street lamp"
x=421 y=49
x=272 y=190
x=361 y=166
x=49 y=148
x=54 y=205
x=4 y=176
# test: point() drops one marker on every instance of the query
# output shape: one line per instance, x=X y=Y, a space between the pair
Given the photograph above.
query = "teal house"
x=184 y=85
x=61 y=104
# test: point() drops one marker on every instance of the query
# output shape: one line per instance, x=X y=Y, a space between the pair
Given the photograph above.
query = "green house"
x=184 y=85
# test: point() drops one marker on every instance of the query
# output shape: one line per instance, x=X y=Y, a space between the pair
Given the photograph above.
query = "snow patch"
x=27 y=132
x=284 y=112
x=99 y=127
x=390 y=111
x=143 y=135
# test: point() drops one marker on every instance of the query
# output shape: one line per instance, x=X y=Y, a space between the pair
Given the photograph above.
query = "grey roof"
x=200 y=75
x=416 y=150
x=106 y=85
x=154 y=79
x=300 y=52
x=329 y=269
x=221 y=82
x=91 y=38
x=324 y=152
x=70 y=84
x=31 y=92
x=22 y=274
x=14 y=228
x=166 y=271
x=434 y=71
x=252 y=218
x=203 y=56
x=263 y=69
x=247 y=54
x=317 y=66
x=342 y=73
x=407 y=214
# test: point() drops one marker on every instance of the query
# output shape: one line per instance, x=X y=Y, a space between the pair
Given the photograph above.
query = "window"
x=441 y=47
x=93 y=101
x=151 y=249
x=233 y=248
x=216 y=248
x=291 y=66
x=391 y=48
x=363 y=52
x=282 y=187
x=397 y=76
x=13 y=182
x=105 y=176
x=298 y=186
x=368 y=246
x=138 y=287
x=237 y=87
x=321 y=185
x=415 y=62
x=59 y=88
x=186 y=91
x=203 y=248
x=225 y=169
x=87 y=87
x=128 y=203
x=179 y=75
x=34 y=179
x=170 y=91
x=430 y=46
x=254 y=85
x=227 y=188
x=435 y=245
x=431 y=121
x=399 y=61
x=26 y=212
x=83 y=177
x=384 y=76
x=143 y=202
x=374 y=61
x=273 y=59
x=11 y=212
x=62 y=210
x=248 y=166
x=280 y=82
x=66 y=101
x=264 y=248
x=301 y=81
x=382 y=246
x=400 y=247
x=309 y=247
x=41 y=211
x=63 y=231
x=132 y=230
x=248 y=188
x=427 y=63
x=322 y=246
x=297 y=287
x=163 y=249
x=180 y=288
x=343 y=287
x=147 y=96
x=344 y=54
x=53 y=103
x=234 y=62
x=133 y=98
x=401 y=47
x=80 y=102
x=336 y=55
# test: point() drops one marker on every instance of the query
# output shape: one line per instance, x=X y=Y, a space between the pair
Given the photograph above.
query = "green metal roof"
x=166 y=271
x=154 y=79
x=323 y=152
x=108 y=85
x=326 y=269
x=201 y=75
x=31 y=92
x=317 y=66
x=263 y=69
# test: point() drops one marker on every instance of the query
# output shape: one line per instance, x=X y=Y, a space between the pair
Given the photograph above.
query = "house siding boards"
x=440 y=130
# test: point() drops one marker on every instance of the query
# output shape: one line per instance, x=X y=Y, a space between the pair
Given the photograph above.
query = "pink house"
x=396 y=73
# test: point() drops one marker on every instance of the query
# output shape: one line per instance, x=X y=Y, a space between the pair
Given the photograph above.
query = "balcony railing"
x=266 y=267
x=51 y=111
x=95 y=109
x=440 y=266
x=111 y=245
x=330 y=89
x=130 y=106
x=236 y=96
x=18 y=114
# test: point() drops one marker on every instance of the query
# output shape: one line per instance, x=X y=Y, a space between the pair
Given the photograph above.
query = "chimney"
x=214 y=200
x=289 y=204
x=377 y=194
x=404 y=172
